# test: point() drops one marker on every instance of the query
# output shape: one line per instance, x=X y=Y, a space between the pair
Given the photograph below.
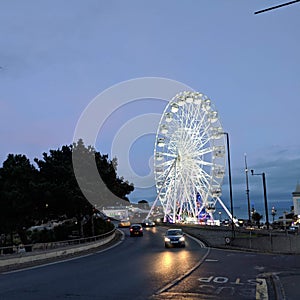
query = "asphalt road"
x=141 y=268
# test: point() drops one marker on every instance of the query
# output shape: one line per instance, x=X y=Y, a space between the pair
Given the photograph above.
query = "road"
x=141 y=268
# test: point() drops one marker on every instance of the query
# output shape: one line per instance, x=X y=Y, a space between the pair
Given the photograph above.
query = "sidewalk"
x=245 y=239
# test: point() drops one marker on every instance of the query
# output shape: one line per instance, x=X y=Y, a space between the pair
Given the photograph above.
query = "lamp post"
x=230 y=184
x=265 y=195
x=273 y=213
x=247 y=189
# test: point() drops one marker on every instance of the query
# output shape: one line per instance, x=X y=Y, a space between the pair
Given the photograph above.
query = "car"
x=293 y=229
x=174 y=237
x=136 y=230
x=124 y=223
x=148 y=223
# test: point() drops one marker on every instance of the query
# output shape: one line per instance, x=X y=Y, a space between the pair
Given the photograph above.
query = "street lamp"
x=265 y=195
x=230 y=184
x=273 y=213
x=247 y=190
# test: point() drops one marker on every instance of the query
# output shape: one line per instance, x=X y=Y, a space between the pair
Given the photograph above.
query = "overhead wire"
x=275 y=7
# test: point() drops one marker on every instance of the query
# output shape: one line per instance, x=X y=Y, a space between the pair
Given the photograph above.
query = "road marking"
x=259 y=268
x=261 y=289
x=202 y=245
x=238 y=280
x=211 y=260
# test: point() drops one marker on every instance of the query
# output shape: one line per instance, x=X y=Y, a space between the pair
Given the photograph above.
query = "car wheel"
x=166 y=246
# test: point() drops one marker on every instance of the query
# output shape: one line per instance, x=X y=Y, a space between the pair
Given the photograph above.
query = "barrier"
x=55 y=249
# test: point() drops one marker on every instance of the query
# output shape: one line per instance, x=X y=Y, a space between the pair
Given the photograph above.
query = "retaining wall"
x=26 y=257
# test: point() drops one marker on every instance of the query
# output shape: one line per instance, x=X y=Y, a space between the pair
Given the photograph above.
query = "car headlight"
x=167 y=239
x=182 y=239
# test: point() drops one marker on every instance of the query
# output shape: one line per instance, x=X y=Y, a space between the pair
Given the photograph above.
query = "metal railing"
x=17 y=249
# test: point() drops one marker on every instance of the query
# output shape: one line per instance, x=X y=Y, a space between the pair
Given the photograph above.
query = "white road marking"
x=261 y=289
x=202 y=245
x=211 y=260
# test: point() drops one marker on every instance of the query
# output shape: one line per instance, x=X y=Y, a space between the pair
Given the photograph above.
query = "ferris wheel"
x=189 y=159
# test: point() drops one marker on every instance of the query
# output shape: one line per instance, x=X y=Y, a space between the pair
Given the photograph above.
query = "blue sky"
x=56 y=56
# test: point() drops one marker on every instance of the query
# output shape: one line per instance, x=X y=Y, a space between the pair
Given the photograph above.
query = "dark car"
x=293 y=229
x=148 y=223
x=136 y=230
x=174 y=238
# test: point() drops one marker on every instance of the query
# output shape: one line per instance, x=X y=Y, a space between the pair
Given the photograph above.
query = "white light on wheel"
x=174 y=108
x=189 y=99
x=161 y=142
x=180 y=101
x=164 y=129
x=169 y=117
x=213 y=116
x=159 y=156
x=207 y=104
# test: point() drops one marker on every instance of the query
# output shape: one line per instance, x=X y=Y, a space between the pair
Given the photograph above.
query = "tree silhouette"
x=30 y=195
x=17 y=197
x=256 y=217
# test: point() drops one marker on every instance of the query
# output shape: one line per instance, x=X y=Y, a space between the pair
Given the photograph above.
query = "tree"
x=30 y=195
x=18 y=191
x=85 y=158
x=143 y=204
x=59 y=191
x=256 y=217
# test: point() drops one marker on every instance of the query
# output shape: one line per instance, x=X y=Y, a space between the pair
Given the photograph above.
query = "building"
x=119 y=213
x=296 y=201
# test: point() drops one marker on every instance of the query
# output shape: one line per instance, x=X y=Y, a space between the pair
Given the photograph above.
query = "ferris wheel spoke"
x=165 y=154
x=187 y=192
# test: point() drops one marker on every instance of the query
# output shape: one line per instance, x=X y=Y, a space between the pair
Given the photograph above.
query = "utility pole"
x=265 y=195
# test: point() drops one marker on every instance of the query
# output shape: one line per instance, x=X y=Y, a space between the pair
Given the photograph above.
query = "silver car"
x=174 y=237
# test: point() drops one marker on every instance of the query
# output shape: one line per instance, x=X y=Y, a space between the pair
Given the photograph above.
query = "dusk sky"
x=57 y=56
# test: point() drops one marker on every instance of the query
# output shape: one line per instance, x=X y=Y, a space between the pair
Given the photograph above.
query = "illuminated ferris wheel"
x=189 y=159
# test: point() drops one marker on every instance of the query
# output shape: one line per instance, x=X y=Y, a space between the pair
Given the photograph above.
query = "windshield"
x=174 y=232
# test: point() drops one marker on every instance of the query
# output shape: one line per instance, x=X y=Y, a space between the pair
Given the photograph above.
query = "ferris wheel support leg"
x=228 y=212
x=152 y=207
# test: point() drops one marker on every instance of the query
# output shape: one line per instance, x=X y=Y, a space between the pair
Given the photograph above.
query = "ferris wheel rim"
x=198 y=140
